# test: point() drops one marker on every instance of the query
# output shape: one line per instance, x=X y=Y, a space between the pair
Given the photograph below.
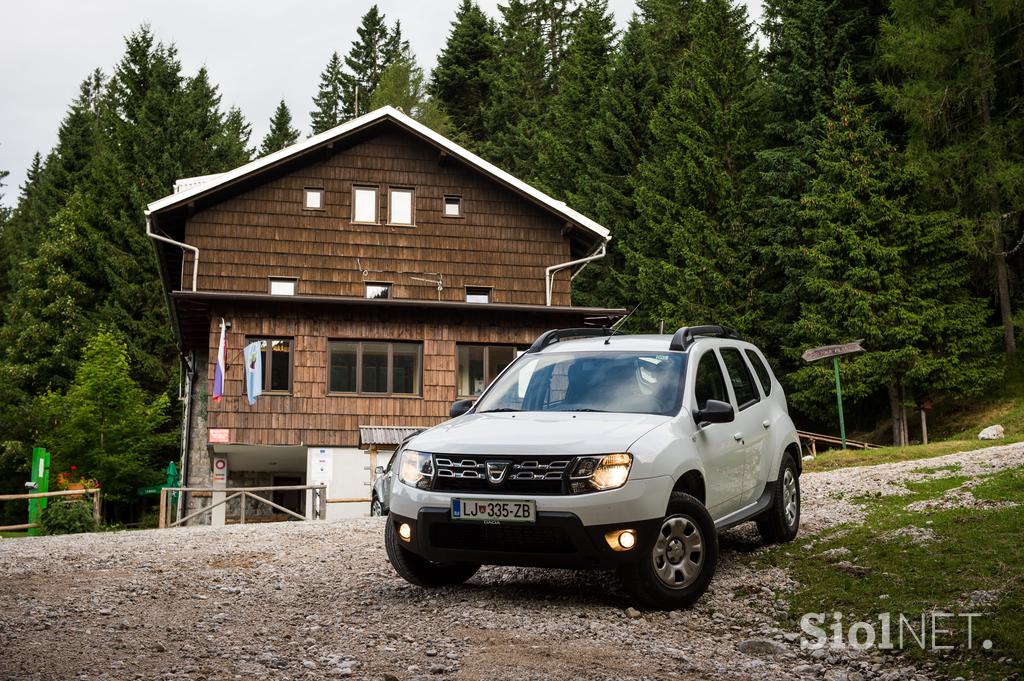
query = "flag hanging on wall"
x=253 y=371
x=218 y=373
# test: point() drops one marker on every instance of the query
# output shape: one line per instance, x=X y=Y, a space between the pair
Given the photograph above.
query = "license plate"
x=491 y=511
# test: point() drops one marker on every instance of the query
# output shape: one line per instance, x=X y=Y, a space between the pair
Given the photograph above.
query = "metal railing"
x=318 y=511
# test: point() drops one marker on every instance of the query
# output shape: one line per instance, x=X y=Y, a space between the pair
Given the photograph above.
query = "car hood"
x=570 y=433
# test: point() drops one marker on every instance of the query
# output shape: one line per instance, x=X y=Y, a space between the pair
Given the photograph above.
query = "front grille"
x=524 y=475
x=513 y=538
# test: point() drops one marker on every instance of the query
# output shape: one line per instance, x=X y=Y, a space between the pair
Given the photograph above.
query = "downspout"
x=167 y=240
x=549 y=273
x=186 y=433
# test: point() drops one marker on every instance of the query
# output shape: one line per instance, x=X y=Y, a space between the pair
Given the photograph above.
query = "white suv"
x=596 y=450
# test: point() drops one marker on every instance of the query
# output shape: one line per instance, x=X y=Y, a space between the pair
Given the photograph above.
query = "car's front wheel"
x=420 y=571
x=682 y=561
x=781 y=521
x=376 y=508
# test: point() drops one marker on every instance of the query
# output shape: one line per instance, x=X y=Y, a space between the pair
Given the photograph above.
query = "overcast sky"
x=257 y=51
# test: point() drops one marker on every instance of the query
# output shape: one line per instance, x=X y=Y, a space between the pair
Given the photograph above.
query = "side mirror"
x=460 y=407
x=379 y=470
x=715 y=411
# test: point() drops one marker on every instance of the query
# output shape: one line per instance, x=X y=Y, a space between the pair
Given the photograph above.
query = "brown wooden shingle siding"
x=503 y=241
x=312 y=417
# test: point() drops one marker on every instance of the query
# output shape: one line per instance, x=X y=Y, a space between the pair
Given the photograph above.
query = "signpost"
x=835 y=352
x=40 y=484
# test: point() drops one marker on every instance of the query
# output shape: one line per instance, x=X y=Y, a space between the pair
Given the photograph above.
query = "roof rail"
x=687 y=336
x=555 y=335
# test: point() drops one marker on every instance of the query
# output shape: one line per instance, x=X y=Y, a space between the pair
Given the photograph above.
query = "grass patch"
x=13 y=535
x=970 y=551
x=838 y=458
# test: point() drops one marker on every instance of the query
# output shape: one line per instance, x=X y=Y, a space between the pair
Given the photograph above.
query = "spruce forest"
x=850 y=169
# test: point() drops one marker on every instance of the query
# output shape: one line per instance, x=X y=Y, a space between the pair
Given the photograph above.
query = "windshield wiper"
x=603 y=411
x=491 y=411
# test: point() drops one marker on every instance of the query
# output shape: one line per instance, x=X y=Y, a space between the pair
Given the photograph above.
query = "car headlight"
x=599 y=473
x=416 y=469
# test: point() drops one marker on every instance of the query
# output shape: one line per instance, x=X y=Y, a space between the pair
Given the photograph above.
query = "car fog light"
x=621 y=540
x=405 y=532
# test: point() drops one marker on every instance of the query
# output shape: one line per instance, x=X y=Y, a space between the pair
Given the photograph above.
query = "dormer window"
x=283 y=286
x=313 y=199
x=400 y=207
x=453 y=206
x=364 y=204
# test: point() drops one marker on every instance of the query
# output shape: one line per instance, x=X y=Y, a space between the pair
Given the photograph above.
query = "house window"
x=478 y=365
x=453 y=206
x=364 y=204
x=400 y=207
x=277 y=364
x=375 y=368
x=375 y=290
x=282 y=286
x=478 y=294
x=313 y=199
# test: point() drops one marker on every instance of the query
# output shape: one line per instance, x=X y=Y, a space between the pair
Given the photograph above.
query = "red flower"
x=74 y=468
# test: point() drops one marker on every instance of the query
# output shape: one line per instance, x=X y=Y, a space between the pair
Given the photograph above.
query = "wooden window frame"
x=323 y=195
x=359 y=369
x=376 y=204
x=412 y=206
x=270 y=286
x=518 y=349
x=490 y=294
x=268 y=352
x=389 y=284
x=444 y=207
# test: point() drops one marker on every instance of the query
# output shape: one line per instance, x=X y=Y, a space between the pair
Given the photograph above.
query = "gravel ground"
x=319 y=600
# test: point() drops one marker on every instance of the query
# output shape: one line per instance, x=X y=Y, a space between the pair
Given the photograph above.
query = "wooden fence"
x=95 y=492
x=811 y=441
x=319 y=510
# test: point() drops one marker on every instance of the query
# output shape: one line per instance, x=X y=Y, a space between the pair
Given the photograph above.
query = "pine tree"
x=689 y=250
x=461 y=80
x=520 y=91
x=581 y=79
x=233 y=147
x=329 y=98
x=281 y=133
x=879 y=267
x=960 y=85
x=402 y=85
x=375 y=48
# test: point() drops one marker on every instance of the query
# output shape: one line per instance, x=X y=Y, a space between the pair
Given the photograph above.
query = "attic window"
x=478 y=294
x=313 y=199
x=282 y=286
x=400 y=207
x=453 y=206
x=364 y=204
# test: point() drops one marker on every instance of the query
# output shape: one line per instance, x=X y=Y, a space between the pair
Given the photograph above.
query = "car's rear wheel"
x=420 y=571
x=376 y=508
x=682 y=561
x=781 y=522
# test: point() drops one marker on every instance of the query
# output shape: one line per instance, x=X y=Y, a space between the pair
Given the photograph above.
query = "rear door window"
x=762 y=372
x=739 y=374
x=709 y=383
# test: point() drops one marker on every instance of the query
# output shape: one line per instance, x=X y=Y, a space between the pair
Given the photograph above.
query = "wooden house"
x=385 y=270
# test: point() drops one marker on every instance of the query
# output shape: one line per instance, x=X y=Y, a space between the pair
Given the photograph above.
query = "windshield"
x=624 y=382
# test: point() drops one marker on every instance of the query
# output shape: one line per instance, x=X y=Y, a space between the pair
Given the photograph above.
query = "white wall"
x=348 y=474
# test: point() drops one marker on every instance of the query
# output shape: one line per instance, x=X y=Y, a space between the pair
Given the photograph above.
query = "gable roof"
x=191 y=188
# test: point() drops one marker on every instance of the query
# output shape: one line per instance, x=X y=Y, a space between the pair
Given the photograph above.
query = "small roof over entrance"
x=378 y=436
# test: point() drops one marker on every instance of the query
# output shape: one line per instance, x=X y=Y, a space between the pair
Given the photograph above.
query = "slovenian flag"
x=218 y=374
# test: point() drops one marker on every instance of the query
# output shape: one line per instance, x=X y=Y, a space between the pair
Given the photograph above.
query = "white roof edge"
x=355 y=123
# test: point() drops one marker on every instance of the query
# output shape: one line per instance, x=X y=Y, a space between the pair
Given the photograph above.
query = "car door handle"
x=767 y=424
x=738 y=437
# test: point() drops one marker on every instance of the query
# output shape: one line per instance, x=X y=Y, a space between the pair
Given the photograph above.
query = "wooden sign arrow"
x=827 y=351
